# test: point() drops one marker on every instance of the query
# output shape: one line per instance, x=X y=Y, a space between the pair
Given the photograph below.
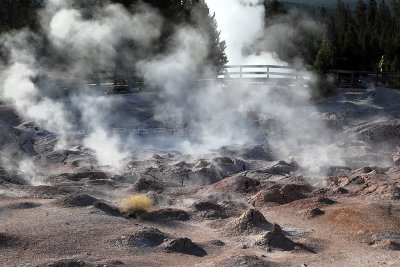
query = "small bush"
x=136 y=203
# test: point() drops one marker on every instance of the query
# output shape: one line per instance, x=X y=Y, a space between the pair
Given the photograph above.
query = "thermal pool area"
x=283 y=197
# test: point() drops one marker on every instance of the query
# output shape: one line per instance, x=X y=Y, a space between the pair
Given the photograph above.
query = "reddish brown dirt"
x=344 y=236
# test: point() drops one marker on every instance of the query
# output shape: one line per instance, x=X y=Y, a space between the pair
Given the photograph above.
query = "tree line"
x=18 y=14
x=361 y=36
x=353 y=38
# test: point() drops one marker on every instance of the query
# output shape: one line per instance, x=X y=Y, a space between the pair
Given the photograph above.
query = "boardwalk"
x=356 y=78
x=123 y=82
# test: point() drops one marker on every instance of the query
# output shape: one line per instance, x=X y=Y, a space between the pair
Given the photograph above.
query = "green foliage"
x=16 y=14
x=324 y=60
x=194 y=13
x=359 y=32
x=273 y=8
x=395 y=66
x=359 y=37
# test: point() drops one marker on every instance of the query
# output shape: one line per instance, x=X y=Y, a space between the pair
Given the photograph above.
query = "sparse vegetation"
x=136 y=203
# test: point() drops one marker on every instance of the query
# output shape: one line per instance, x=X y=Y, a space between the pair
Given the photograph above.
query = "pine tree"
x=395 y=65
x=273 y=8
x=179 y=13
x=207 y=24
x=396 y=14
x=324 y=61
x=372 y=10
x=351 y=49
x=361 y=14
x=17 y=14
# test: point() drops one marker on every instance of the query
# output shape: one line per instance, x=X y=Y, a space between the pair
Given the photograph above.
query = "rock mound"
x=146 y=238
x=282 y=168
x=166 y=215
x=176 y=176
x=7 y=240
x=77 y=201
x=390 y=245
x=146 y=184
x=209 y=210
x=256 y=153
x=9 y=115
x=204 y=173
x=106 y=208
x=314 y=213
x=237 y=184
x=228 y=166
x=277 y=194
x=11 y=178
x=91 y=175
x=9 y=136
x=250 y=222
x=185 y=246
x=276 y=239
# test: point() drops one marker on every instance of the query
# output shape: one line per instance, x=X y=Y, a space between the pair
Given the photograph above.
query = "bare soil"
x=245 y=209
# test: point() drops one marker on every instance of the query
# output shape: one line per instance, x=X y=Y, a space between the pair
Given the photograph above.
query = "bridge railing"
x=260 y=71
x=356 y=78
x=126 y=81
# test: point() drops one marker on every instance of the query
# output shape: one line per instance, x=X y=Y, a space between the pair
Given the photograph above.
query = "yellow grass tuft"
x=136 y=203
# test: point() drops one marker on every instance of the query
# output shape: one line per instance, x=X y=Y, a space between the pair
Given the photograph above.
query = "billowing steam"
x=88 y=45
x=235 y=114
x=241 y=23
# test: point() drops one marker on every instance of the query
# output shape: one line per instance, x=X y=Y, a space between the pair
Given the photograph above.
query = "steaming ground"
x=334 y=197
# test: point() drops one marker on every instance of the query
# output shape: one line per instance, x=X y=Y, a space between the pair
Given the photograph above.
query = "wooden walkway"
x=123 y=82
x=355 y=78
x=260 y=72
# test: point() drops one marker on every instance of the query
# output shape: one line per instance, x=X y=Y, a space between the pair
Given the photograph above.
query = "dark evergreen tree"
x=396 y=14
x=372 y=11
x=206 y=23
x=323 y=12
x=350 y=49
x=324 y=60
x=17 y=14
x=360 y=13
x=273 y=8
x=194 y=13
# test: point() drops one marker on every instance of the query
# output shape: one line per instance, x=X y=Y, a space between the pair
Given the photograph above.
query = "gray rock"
x=250 y=222
x=185 y=246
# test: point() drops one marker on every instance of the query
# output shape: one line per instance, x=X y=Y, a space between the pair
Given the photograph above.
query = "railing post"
x=97 y=79
x=241 y=69
x=352 y=79
x=268 y=72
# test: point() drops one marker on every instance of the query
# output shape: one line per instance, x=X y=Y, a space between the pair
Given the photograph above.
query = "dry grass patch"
x=136 y=203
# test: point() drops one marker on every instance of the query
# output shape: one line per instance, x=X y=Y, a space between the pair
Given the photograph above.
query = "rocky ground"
x=236 y=206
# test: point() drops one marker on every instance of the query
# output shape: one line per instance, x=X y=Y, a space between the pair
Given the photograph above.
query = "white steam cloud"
x=224 y=115
x=89 y=44
x=241 y=23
